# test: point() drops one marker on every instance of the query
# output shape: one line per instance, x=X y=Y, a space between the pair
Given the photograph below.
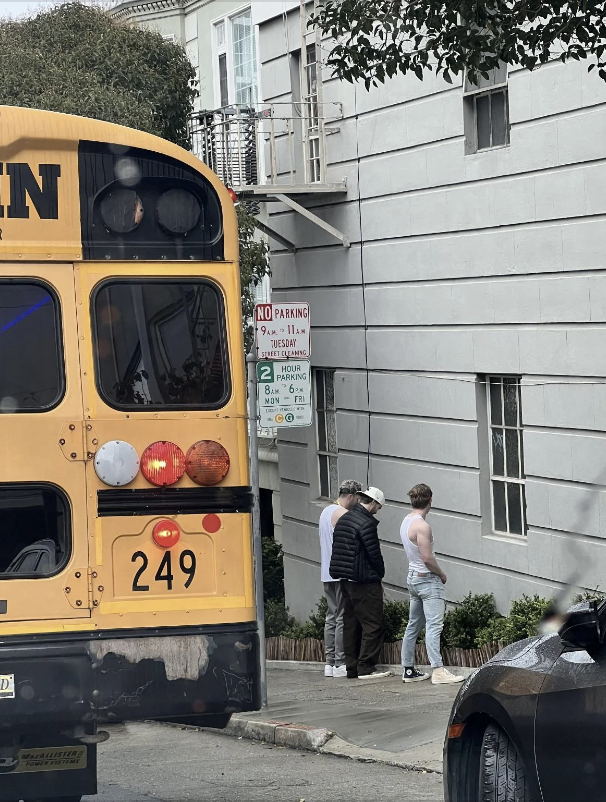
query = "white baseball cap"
x=375 y=494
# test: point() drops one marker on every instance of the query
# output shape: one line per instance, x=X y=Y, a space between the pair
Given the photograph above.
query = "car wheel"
x=502 y=772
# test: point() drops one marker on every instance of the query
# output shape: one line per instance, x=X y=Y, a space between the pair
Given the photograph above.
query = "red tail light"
x=163 y=463
x=166 y=534
x=207 y=462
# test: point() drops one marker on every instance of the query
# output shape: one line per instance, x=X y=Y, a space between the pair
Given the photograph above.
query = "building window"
x=312 y=119
x=235 y=60
x=327 y=433
x=506 y=455
x=486 y=111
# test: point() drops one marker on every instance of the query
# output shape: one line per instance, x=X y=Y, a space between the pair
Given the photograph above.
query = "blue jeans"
x=427 y=607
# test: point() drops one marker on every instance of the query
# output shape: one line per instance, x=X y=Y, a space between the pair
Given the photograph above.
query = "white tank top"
x=415 y=563
x=326 y=532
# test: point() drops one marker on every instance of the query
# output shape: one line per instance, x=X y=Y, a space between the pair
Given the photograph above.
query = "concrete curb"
x=280 y=733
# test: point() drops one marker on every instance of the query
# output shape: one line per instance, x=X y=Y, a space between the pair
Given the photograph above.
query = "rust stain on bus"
x=184 y=657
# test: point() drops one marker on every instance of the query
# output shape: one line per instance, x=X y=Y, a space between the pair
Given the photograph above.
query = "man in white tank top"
x=333 y=629
x=426 y=582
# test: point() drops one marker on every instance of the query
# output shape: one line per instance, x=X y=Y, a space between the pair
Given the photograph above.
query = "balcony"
x=271 y=153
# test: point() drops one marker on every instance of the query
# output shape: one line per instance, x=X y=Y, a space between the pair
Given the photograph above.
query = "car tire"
x=502 y=772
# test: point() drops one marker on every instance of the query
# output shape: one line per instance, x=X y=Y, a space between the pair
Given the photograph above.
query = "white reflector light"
x=116 y=463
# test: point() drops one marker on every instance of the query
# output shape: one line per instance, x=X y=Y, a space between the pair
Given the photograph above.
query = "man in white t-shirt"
x=333 y=629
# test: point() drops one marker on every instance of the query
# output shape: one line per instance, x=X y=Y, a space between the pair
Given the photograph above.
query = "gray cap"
x=375 y=494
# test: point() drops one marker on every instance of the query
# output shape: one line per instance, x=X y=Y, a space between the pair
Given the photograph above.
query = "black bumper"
x=190 y=674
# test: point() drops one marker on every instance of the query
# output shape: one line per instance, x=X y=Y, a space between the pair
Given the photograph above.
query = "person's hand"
x=443 y=577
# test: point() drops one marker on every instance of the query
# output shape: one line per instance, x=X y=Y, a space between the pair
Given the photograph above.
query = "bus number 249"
x=187 y=565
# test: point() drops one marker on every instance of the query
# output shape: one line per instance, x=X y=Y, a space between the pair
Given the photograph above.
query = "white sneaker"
x=339 y=671
x=441 y=676
x=375 y=675
x=328 y=671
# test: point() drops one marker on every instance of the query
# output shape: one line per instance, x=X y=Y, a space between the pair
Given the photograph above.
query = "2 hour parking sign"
x=284 y=393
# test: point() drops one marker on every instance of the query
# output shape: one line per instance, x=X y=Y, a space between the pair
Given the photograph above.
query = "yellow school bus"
x=126 y=580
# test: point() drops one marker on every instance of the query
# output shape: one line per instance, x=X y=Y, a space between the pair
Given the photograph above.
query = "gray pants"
x=333 y=629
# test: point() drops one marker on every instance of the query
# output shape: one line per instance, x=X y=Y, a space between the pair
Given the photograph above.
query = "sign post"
x=279 y=386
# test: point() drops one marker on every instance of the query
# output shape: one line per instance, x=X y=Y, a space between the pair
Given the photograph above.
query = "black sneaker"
x=412 y=675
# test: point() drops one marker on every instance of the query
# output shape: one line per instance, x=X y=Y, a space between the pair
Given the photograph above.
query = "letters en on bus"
x=24 y=185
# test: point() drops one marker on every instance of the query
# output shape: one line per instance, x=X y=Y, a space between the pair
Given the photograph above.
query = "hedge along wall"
x=310 y=649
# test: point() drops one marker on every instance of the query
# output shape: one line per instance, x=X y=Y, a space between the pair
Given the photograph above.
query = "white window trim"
x=478 y=90
x=227 y=49
x=506 y=479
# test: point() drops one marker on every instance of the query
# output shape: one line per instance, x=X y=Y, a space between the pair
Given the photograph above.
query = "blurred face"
x=374 y=507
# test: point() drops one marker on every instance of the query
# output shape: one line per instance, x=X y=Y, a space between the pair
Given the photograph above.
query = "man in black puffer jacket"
x=357 y=561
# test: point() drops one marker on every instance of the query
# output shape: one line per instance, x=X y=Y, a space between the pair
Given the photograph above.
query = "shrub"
x=524 y=617
x=589 y=595
x=277 y=619
x=313 y=628
x=273 y=570
x=461 y=625
x=395 y=618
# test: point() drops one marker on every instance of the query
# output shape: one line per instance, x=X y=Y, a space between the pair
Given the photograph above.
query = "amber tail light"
x=207 y=462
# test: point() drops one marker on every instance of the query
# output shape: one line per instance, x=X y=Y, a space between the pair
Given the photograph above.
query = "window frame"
x=226 y=48
x=497 y=83
x=505 y=479
x=222 y=334
x=62 y=384
x=325 y=454
x=69 y=540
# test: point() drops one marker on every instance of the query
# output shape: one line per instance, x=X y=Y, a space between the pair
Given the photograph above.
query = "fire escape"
x=276 y=152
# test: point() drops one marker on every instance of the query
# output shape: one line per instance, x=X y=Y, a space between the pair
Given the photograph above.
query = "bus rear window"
x=34 y=530
x=161 y=344
x=31 y=372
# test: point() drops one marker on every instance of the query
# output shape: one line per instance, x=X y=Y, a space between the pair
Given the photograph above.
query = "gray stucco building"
x=459 y=340
x=451 y=243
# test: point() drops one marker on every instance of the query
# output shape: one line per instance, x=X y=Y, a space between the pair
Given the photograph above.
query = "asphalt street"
x=142 y=762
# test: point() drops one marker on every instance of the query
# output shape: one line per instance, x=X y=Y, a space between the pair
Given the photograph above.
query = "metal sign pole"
x=251 y=364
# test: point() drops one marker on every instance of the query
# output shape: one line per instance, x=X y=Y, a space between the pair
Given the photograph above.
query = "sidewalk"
x=382 y=720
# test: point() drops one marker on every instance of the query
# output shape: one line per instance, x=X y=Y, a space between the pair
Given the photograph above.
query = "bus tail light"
x=207 y=462
x=166 y=534
x=163 y=463
x=116 y=463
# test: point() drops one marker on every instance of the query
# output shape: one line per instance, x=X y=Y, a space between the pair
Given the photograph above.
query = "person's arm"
x=336 y=515
x=426 y=550
x=370 y=540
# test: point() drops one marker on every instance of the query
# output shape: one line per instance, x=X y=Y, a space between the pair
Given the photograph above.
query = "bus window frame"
x=58 y=310
x=69 y=540
x=113 y=280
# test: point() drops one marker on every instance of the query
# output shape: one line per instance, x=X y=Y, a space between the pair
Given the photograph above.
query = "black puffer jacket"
x=356 y=553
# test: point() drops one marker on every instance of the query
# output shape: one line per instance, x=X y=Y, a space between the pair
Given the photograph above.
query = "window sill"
x=488 y=150
x=503 y=537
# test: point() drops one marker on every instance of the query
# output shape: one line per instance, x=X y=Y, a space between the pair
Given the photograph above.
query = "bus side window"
x=35 y=530
x=31 y=363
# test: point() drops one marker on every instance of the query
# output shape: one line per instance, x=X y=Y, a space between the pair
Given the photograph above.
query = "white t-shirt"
x=326 y=532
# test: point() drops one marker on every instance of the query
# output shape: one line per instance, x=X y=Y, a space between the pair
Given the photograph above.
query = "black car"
x=530 y=725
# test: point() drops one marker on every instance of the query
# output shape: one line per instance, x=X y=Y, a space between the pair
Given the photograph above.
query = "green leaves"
x=378 y=38
x=75 y=59
x=254 y=264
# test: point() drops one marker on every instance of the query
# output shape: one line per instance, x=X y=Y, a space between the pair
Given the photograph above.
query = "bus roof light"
x=207 y=462
x=163 y=463
x=166 y=534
